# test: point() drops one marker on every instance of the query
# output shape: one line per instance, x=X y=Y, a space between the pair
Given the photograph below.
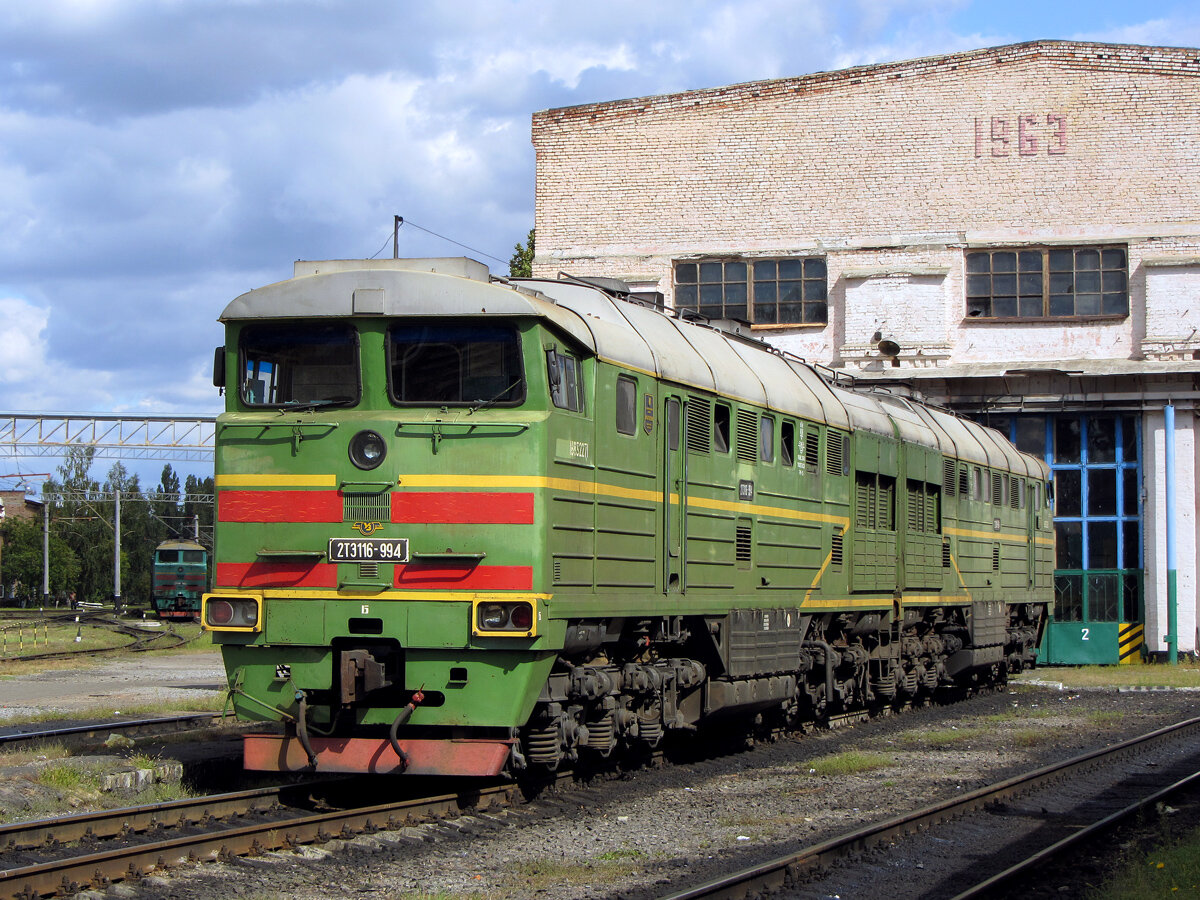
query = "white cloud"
x=22 y=345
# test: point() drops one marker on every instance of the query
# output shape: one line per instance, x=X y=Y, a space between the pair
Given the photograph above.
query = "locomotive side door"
x=674 y=496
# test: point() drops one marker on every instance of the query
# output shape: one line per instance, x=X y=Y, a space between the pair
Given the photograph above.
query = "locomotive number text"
x=368 y=550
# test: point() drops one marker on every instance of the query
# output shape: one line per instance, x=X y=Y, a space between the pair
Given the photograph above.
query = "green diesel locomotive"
x=468 y=525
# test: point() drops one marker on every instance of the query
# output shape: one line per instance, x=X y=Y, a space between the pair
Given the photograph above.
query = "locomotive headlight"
x=367 y=449
x=502 y=618
x=493 y=616
x=232 y=613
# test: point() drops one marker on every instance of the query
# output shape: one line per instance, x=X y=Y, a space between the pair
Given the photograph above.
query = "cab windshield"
x=299 y=366
x=455 y=365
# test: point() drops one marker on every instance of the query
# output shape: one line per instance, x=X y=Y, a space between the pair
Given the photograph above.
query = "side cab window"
x=566 y=380
x=626 y=405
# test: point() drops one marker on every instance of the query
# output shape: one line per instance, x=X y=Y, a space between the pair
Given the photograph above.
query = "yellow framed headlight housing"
x=231 y=612
x=501 y=617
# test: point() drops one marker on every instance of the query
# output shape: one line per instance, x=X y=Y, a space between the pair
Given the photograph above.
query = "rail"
x=776 y=874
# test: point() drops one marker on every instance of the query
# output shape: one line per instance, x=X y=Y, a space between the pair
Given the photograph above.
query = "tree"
x=521 y=264
x=22 y=561
x=165 y=506
x=82 y=517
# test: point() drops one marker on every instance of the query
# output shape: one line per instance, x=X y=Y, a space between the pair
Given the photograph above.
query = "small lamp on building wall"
x=885 y=345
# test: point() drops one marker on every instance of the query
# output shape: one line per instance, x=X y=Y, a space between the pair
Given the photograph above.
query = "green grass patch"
x=852 y=762
x=938 y=738
x=623 y=853
x=60 y=638
x=1170 y=871
x=79 y=780
x=1028 y=737
x=1186 y=674
x=25 y=755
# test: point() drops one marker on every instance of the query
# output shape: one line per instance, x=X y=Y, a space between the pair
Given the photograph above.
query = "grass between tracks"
x=1141 y=675
x=1170 y=870
x=60 y=638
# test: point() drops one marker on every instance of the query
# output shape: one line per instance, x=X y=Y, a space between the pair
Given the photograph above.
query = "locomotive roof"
x=624 y=333
x=179 y=544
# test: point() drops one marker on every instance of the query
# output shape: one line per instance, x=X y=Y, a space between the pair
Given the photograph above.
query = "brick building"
x=1011 y=232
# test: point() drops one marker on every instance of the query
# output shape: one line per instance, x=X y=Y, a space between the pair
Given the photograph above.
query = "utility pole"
x=117 y=552
x=45 y=553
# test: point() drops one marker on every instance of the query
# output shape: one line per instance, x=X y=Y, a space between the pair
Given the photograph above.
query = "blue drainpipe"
x=1172 y=637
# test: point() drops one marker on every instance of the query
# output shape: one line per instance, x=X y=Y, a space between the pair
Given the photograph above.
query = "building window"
x=760 y=291
x=1047 y=283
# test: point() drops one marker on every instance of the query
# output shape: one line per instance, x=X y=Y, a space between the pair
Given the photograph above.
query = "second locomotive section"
x=465 y=526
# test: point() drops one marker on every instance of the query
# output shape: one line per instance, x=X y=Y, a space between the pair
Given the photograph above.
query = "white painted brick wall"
x=899 y=165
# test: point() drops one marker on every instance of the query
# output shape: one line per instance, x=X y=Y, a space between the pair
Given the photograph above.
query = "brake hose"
x=302 y=729
x=403 y=717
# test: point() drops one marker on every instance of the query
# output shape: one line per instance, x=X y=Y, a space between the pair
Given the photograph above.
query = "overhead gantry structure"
x=177 y=438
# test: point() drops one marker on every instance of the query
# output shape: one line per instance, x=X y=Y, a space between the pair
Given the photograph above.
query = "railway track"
x=1052 y=832
x=34 y=860
x=84 y=733
x=37 y=864
x=140 y=638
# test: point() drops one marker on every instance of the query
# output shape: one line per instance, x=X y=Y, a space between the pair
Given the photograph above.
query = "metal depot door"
x=674 y=497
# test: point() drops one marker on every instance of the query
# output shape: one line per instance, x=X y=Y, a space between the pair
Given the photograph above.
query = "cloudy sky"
x=159 y=157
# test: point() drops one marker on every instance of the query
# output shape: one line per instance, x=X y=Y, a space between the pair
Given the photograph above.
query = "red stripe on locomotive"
x=462 y=508
x=279 y=506
x=277 y=574
x=467 y=578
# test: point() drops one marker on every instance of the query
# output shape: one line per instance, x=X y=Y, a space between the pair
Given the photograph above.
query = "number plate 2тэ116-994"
x=368 y=549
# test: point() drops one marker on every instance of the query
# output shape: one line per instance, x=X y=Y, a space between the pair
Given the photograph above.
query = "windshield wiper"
x=483 y=404
x=294 y=405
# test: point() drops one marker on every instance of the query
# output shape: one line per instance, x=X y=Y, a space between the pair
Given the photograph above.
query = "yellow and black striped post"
x=1130 y=637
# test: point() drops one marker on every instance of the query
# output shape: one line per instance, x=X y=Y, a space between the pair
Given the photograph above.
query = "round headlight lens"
x=367 y=449
x=220 y=612
x=492 y=617
x=522 y=617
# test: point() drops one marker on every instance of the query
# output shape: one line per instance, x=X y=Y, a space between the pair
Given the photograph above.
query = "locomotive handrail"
x=315 y=554
x=467 y=426
x=417 y=557
x=330 y=425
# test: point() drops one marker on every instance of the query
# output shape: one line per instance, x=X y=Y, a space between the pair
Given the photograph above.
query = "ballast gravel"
x=659 y=829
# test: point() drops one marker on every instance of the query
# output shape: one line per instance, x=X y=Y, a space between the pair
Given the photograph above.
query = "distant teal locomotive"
x=179 y=579
x=470 y=525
